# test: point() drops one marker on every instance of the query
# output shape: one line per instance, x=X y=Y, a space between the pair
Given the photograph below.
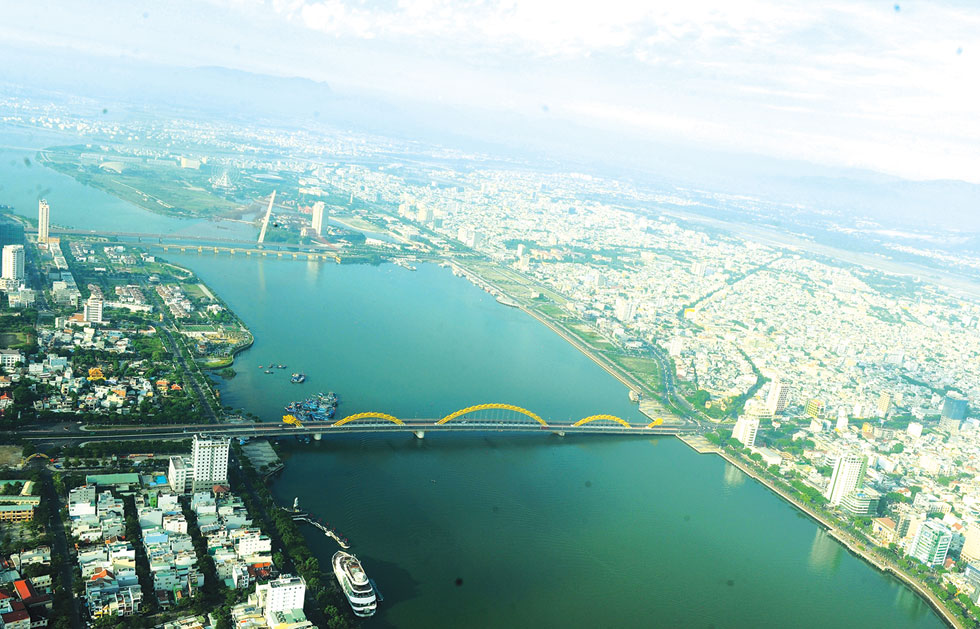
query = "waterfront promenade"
x=856 y=547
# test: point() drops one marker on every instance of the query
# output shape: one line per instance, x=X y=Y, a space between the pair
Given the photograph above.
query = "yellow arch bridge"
x=489 y=417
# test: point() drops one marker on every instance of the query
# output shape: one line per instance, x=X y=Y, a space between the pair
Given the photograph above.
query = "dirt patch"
x=10 y=456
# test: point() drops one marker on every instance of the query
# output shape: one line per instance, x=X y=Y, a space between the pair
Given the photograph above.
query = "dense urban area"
x=848 y=388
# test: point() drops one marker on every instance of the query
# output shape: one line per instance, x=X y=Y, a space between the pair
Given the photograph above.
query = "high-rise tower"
x=43 y=220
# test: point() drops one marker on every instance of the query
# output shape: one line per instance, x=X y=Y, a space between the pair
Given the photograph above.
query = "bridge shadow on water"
x=447 y=441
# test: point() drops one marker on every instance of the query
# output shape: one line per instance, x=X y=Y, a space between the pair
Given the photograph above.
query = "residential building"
x=93 y=310
x=317 y=224
x=971 y=546
x=931 y=543
x=848 y=475
x=884 y=404
x=43 y=221
x=209 y=457
x=813 y=408
x=180 y=475
x=10 y=357
x=746 y=429
x=954 y=406
x=861 y=502
x=778 y=398
x=206 y=467
x=13 y=263
x=884 y=530
x=281 y=595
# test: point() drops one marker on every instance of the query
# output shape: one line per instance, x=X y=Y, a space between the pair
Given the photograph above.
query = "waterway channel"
x=542 y=531
x=495 y=530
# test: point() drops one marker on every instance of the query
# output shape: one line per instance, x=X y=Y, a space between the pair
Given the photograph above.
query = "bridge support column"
x=317 y=436
x=420 y=434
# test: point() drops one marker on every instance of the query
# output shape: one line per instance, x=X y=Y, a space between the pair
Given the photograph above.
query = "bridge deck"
x=325 y=429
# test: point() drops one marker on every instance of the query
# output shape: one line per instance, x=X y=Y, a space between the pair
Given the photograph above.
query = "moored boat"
x=355 y=584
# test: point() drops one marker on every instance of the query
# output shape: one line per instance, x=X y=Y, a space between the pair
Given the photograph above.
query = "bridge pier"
x=420 y=434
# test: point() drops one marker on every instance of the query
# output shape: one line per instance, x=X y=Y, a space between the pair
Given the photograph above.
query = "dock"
x=298 y=515
x=305 y=517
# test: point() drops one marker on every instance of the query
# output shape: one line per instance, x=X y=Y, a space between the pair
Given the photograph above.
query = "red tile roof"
x=24 y=589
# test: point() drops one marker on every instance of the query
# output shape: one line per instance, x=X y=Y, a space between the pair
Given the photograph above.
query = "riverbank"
x=848 y=541
x=631 y=381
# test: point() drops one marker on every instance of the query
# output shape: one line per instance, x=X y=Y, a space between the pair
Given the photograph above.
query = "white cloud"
x=865 y=81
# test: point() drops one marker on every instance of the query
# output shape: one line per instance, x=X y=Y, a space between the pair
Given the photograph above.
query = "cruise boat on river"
x=354 y=582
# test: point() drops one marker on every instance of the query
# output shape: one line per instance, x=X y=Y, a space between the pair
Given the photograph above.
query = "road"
x=60 y=545
x=258 y=429
x=168 y=324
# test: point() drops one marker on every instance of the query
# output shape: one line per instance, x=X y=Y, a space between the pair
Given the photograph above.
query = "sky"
x=886 y=86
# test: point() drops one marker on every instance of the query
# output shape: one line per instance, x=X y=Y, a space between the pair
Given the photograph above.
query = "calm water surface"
x=537 y=530
x=542 y=531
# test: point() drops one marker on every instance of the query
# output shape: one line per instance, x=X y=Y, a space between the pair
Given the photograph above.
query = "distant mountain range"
x=535 y=137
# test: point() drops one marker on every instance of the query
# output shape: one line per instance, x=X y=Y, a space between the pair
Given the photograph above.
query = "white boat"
x=354 y=582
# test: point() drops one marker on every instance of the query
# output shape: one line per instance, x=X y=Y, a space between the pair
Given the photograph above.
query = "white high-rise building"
x=625 y=309
x=280 y=595
x=92 y=312
x=848 y=476
x=13 y=262
x=778 y=398
x=746 y=429
x=206 y=467
x=318 y=208
x=209 y=458
x=931 y=543
x=43 y=220
x=180 y=475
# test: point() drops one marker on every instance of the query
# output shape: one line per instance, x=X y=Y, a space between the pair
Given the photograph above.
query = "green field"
x=158 y=188
x=646 y=369
x=12 y=339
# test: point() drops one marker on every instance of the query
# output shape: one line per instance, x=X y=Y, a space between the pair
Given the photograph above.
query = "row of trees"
x=294 y=553
x=859 y=528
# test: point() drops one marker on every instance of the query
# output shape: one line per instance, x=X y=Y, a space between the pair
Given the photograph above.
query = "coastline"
x=844 y=539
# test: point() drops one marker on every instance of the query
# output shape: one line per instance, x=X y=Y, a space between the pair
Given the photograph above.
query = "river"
x=496 y=530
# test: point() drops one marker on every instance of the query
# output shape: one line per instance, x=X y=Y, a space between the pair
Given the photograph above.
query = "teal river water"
x=541 y=530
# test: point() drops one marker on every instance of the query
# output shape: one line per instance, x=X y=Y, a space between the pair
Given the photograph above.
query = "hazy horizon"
x=875 y=86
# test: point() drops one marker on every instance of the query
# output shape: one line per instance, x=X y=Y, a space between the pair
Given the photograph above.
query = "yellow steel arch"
x=484 y=407
x=593 y=418
x=656 y=422
x=368 y=415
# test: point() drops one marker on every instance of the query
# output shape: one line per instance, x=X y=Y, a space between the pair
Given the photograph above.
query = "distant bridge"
x=493 y=417
x=209 y=244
